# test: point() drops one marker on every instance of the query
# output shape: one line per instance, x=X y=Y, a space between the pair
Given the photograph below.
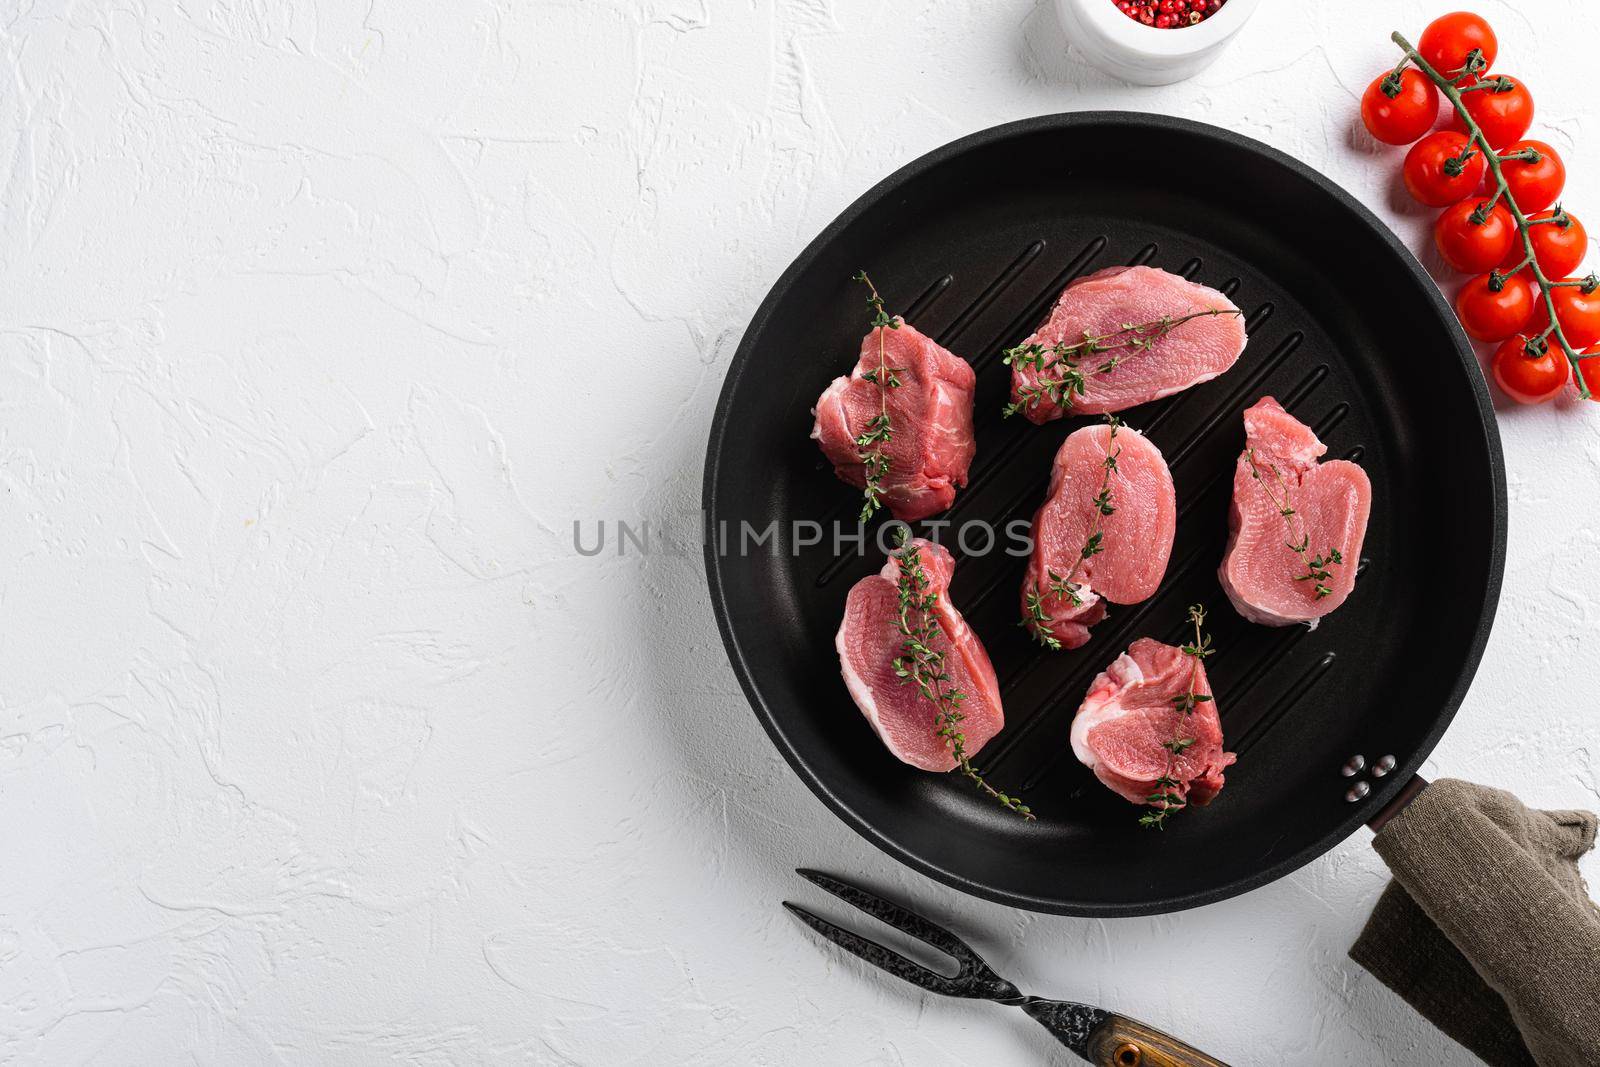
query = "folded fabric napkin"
x=1487 y=928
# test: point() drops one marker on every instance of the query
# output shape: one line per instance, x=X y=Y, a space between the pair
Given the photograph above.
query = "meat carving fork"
x=1101 y=1037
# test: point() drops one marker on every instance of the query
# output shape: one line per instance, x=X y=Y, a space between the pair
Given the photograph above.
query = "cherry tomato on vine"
x=1529 y=378
x=1473 y=240
x=1535 y=185
x=1407 y=115
x=1448 y=39
x=1589 y=371
x=1577 y=311
x=1502 y=116
x=1429 y=163
x=1491 y=315
x=1559 y=249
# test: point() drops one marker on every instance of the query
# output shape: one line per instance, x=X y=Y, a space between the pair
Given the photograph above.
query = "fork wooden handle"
x=1124 y=1042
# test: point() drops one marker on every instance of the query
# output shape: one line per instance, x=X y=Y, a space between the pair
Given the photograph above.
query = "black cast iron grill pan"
x=972 y=243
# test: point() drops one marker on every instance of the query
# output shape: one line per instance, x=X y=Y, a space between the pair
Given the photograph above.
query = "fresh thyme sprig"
x=879 y=430
x=1059 y=366
x=923 y=664
x=1165 y=800
x=1316 y=566
x=1465 y=80
x=1063 y=587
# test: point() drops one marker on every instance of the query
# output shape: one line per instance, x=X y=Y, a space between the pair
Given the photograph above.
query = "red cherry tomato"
x=1448 y=39
x=1490 y=315
x=1429 y=163
x=1534 y=184
x=1559 y=249
x=1473 y=244
x=1589 y=371
x=1529 y=379
x=1577 y=311
x=1407 y=115
x=1502 y=116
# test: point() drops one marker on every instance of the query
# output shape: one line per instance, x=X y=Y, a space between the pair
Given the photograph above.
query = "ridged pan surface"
x=972 y=243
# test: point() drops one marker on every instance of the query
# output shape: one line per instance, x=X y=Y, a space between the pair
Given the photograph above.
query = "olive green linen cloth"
x=1487 y=928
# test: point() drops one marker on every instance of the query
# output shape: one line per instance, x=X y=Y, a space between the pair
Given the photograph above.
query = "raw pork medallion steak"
x=1141 y=344
x=930 y=412
x=1296 y=525
x=869 y=641
x=1084 y=554
x=1125 y=729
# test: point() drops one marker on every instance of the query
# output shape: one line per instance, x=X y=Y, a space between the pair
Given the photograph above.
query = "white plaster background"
x=319 y=324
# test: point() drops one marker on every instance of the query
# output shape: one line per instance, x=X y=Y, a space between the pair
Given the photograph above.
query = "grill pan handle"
x=1407 y=794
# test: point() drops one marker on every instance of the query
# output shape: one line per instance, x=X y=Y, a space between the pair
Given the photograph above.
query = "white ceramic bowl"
x=1126 y=48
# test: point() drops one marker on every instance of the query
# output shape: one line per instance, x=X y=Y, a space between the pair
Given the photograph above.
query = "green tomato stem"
x=1502 y=192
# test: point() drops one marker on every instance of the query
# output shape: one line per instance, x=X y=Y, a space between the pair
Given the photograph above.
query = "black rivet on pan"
x=1354 y=766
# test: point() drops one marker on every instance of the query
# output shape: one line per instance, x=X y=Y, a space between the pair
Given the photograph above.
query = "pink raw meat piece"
x=869 y=642
x=1135 y=539
x=1261 y=573
x=1109 y=300
x=930 y=414
x=1128 y=717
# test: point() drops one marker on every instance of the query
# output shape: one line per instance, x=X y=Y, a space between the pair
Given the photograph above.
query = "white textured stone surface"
x=319 y=324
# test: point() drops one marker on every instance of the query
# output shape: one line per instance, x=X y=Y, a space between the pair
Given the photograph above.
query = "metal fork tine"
x=893 y=914
x=975 y=978
x=878 y=955
x=900 y=918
